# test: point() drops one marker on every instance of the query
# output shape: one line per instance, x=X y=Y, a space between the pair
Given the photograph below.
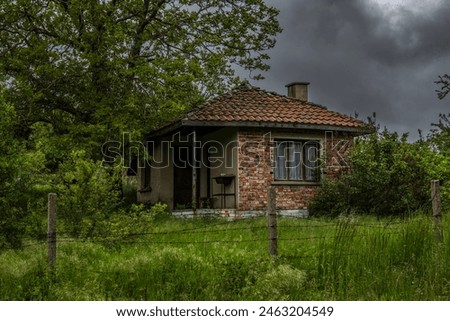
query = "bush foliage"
x=389 y=176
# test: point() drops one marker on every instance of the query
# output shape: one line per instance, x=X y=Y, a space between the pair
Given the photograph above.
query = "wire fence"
x=288 y=233
x=227 y=232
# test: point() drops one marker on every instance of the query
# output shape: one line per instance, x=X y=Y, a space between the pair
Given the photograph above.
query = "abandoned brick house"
x=222 y=156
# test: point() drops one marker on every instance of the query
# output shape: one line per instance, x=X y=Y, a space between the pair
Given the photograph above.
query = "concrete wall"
x=223 y=159
x=222 y=146
x=161 y=180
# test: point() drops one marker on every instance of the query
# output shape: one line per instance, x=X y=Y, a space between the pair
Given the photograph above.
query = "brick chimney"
x=298 y=90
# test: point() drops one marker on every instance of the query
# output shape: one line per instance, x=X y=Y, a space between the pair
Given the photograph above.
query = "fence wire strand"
x=227 y=232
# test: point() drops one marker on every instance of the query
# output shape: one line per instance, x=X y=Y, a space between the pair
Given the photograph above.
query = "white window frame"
x=292 y=160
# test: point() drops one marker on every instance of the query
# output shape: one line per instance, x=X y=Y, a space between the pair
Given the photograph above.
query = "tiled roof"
x=247 y=105
x=251 y=104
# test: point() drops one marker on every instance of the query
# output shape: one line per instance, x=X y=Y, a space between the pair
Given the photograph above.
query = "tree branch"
x=444 y=81
x=145 y=21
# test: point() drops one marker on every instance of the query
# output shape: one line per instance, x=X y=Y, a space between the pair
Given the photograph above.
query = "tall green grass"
x=211 y=259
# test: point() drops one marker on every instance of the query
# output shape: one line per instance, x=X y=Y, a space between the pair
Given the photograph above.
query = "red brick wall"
x=255 y=170
x=337 y=148
x=294 y=197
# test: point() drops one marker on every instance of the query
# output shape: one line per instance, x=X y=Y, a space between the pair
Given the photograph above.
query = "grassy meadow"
x=350 y=258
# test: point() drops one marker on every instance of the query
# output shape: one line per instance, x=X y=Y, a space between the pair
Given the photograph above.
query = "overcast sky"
x=366 y=56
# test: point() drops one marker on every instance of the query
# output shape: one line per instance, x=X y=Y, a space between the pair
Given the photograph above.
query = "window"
x=297 y=161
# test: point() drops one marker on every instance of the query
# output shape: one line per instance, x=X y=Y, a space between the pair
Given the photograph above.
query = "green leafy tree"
x=82 y=72
x=439 y=141
x=11 y=209
x=440 y=135
x=21 y=183
x=389 y=176
x=95 y=68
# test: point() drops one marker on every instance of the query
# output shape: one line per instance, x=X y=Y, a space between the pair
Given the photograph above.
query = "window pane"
x=280 y=160
x=295 y=152
x=297 y=161
x=311 y=161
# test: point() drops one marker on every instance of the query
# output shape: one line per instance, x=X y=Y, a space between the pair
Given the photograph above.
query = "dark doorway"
x=182 y=177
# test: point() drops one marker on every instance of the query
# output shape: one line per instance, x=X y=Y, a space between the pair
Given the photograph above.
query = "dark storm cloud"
x=361 y=57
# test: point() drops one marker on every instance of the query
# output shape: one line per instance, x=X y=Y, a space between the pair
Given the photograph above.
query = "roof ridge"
x=247 y=85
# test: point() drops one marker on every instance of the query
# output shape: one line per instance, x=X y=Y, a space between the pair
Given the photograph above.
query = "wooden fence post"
x=272 y=217
x=437 y=210
x=51 y=230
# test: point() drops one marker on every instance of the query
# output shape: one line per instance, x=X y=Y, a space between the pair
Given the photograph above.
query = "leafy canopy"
x=125 y=65
x=77 y=73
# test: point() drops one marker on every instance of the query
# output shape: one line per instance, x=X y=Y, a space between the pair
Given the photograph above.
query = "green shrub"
x=20 y=178
x=89 y=193
x=388 y=176
x=129 y=225
x=160 y=211
x=281 y=282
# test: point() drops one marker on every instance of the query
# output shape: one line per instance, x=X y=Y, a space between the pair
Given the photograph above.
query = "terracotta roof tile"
x=251 y=104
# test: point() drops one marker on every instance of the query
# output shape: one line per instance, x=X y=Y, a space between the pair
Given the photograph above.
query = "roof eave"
x=360 y=130
x=195 y=123
x=165 y=130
